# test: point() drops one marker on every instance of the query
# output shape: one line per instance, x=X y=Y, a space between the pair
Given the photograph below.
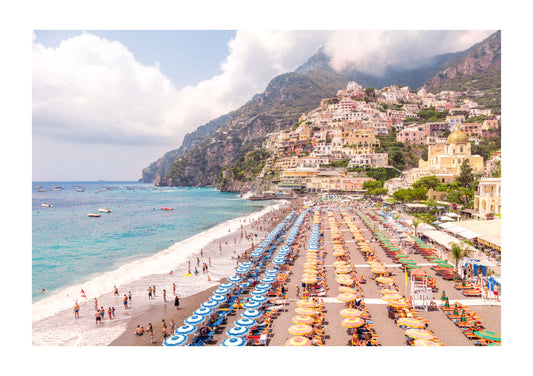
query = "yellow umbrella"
x=339 y=263
x=426 y=342
x=352 y=322
x=303 y=319
x=346 y=297
x=346 y=289
x=338 y=253
x=309 y=278
x=389 y=291
x=419 y=334
x=306 y=303
x=310 y=271
x=385 y=280
x=305 y=311
x=298 y=341
x=310 y=265
x=412 y=323
x=351 y=312
x=398 y=304
x=300 y=329
x=344 y=281
x=390 y=297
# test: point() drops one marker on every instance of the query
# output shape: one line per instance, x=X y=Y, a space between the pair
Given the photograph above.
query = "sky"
x=105 y=104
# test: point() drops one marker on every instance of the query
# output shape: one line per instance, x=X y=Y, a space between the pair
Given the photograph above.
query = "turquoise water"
x=69 y=247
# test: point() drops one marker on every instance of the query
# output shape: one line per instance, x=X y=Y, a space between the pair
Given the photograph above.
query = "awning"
x=453 y=215
x=490 y=241
x=444 y=239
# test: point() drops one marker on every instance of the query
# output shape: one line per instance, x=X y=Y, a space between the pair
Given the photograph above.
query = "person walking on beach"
x=113 y=310
x=76 y=310
x=129 y=296
x=177 y=303
x=149 y=292
x=172 y=326
x=153 y=290
x=151 y=330
x=164 y=329
x=102 y=313
x=125 y=301
x=116 y=291
x=109 y=312
x=173 y=289
x=97 y=316
x=164 y=295
x=95 y=304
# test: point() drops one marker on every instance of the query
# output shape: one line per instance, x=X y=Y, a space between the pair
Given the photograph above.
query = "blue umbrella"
x=194 y=320
x=252 y=305
x=237 y=331
x=268 y=280
x=245 y=322
x=221 y=291
x=262 y=286
x=185 y=329
x=203 y=311
x=259 y=291
x=177 y=340
x=273 y=270
x=271 y=274
x=251 y=314
x=218 y=298
x=234 y=278
x=278 y=261
x=233 y=341
x=258 y=298
x=226 y=285
x=210 y=304
x=240 y=270
x=246 y=264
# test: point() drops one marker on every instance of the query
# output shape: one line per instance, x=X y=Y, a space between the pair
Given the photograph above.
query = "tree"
x=458 y=253
x=415 y=223
x=428 y=182
x=466 y=177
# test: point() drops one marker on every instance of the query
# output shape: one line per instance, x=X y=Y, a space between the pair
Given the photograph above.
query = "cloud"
x=373 y=51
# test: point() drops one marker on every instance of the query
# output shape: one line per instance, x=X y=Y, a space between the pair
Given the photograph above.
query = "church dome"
x=457 y=137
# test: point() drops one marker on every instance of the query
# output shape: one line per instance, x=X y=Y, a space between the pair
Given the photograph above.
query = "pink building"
x=412 y=135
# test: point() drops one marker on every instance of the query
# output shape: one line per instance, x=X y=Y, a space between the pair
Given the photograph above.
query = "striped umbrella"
x=226 y=285
x=218 y=298
x=210 y=304
x=303 y=319
x=185 y=329
x=385 y=280
x=298 y=341
x=240 y=270
x=234 y=278
x=351 y=312
x=237 y=331
x=263 y=286
x=419 y=334
x=389 y=291
x=398 y=304
x=259 y=291
x=258 y=298
x=268 y=280
x=346 y=297
x=309 y=279
x=305 y=311
x=390 y=297
x=426 y=342
x=271 y=274
x=246 y=322
x=491 y=336
x=203 y=311
x=352 y=322
x=300 y=329
x=279 y=261
x=221 y=291
x=252 y=305
x=234 y=341
x=177 y=340
x=308 y=303
x=251 y=314
x=195 y=320
x=347 y=289
x=412 y=323
x=246 y=264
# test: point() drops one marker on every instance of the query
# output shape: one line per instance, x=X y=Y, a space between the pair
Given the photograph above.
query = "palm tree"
x=415 y=223
x=458 y=253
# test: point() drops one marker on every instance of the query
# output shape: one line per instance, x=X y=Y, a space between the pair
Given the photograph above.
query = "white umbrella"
x=234 y=341
x=177 y=340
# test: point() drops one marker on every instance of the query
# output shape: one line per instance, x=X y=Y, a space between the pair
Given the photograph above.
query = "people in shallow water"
x=195 y=271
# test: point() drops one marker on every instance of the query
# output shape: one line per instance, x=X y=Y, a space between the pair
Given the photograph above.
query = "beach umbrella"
x=203 y=311
x=389 y=291
x=241 y=270
x=390 y=297
x=491 y=336
x=298 y=341
x=305 y=311
x=210 y=304
x=351 y=312
x=176 y=340
x=234 y=341
x=352 y=322
x=398 y=304
x=218 y=298
x=300 y=329
x=221 y=291
x=303 y=319
x=237 y=331
x=426 y=342
x=443 y=296
x=419 y=334
x=446 y=303
x=412 y=323
x=268 y=280
x=195 y=319
x=234 y=278
x=259 y=291
x=385 y=280
x=251 y=314
x=185 y=329
x=252 y=305
x=258 y=298
x=271 y=274
x=346 y=297
x=347 y=289
x=308 y=303
x=278 y=261
x=247 y=322
x=246 y=264
x=263 y=286
x=226 y=285
x=309 y=279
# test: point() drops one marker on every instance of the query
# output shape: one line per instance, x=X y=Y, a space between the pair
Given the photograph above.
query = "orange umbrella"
x=300 y=329
x=410 y=322
x=306 y=303
x=426 y=342
x=346 y=289
x=339 y=263
x=390 y=297
x=303 y=319
x=389 y=291
x=298 y=341
x=398 y=304
x=385 y=280
x=346 y=297
x=352 y=322
x=419 y=334
x=344 y=280
x=309 y=278
x=305 y=311
x=351 y=312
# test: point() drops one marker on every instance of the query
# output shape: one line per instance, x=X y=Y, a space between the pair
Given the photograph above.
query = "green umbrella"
x=443 y=296
x=491 y=336
x=463 y=316
x=447 y=303
x=456 y=310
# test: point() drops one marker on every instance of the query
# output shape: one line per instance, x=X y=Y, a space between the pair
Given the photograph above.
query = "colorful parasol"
x=300 y=329
x=298 y=341
x=352 y=322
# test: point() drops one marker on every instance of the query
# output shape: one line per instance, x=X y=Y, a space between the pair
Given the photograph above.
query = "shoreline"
x=188 y=287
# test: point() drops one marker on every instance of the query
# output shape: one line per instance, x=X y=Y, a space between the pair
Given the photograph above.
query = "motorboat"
x=47 y=205
x=104 y=210
x=93 y=215
x=167 y=208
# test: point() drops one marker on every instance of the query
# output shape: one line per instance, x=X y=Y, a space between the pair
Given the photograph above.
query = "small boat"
x=105 y=210
x=39 y=187
x=57 y=189
x=47 y=205
x=167 y=208
x=80 y=190
x=41 y=190
x=93 y=215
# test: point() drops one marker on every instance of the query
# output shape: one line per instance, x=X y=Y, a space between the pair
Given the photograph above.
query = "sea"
x=77 y=258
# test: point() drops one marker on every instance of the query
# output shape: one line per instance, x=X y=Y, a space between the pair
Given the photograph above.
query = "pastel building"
x=487 y=199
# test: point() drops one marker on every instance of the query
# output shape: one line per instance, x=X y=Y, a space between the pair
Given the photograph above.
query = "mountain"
x=478 y=73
